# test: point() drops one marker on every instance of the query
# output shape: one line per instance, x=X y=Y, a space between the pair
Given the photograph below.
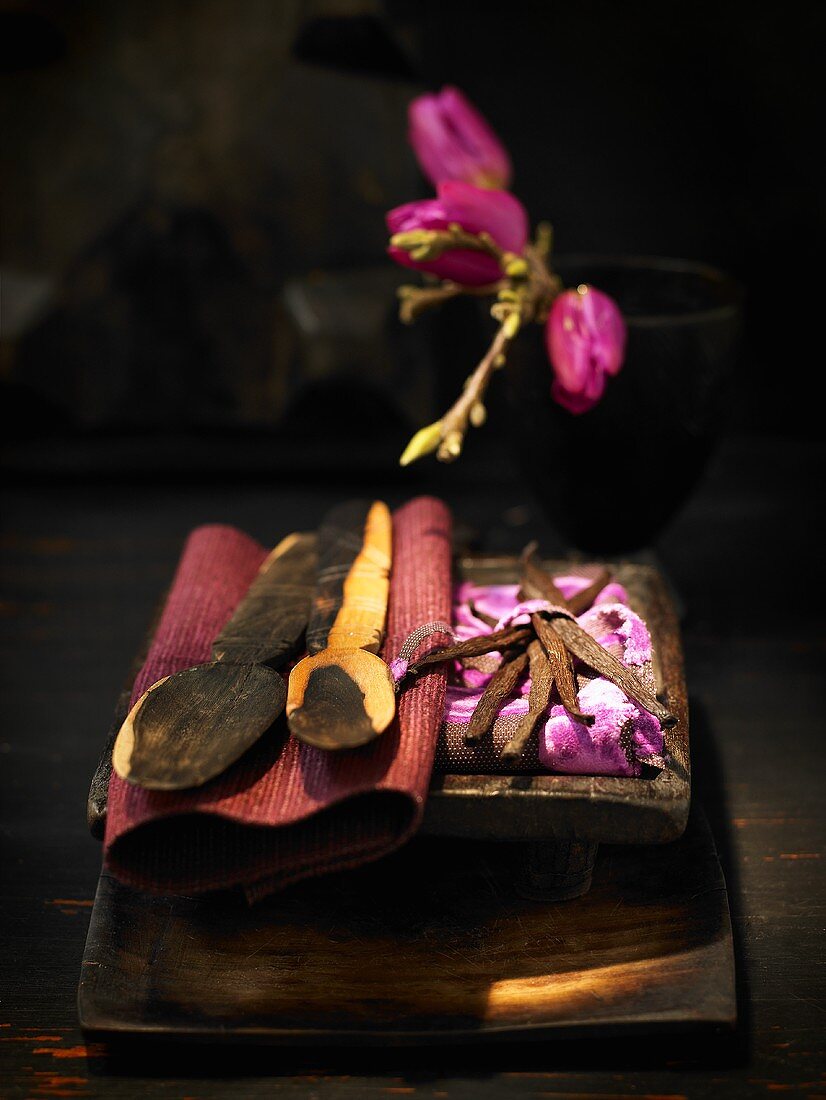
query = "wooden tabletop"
x=83 y=562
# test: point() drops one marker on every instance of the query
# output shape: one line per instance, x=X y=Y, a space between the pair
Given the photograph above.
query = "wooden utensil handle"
x=270 y=620
x=350 y=603
x=359 y=623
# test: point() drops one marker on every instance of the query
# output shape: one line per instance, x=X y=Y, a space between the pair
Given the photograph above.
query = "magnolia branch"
x=415 y=300
x=447 y=435
x=469 y=408
x=524 y=294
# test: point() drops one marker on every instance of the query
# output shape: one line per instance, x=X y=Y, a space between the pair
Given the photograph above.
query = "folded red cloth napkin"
x=285 y=811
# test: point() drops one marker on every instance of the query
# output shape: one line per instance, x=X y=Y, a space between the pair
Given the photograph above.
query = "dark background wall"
x=169 y=168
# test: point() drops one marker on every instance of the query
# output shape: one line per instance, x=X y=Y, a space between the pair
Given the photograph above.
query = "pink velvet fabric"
x=623 y=737
x=285 y=811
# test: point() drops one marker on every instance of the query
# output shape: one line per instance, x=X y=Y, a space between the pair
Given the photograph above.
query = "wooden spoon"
x=189 y=727
x=342 y=695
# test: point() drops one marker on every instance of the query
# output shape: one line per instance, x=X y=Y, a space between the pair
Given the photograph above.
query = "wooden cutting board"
x=429 y=945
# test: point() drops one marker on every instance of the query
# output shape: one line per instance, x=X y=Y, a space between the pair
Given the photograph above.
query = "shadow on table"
x=709 y=789
x=416 y=1065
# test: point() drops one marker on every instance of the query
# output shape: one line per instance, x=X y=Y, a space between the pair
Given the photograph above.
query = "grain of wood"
x=650 y=943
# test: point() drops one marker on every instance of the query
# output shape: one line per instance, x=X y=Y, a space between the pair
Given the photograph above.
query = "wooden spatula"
x=342 y=695
x=189 y=727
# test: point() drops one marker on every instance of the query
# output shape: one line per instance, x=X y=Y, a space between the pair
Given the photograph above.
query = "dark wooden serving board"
x=436 y=943
x=429 y=945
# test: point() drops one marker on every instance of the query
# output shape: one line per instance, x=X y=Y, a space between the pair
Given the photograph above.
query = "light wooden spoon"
x=189 y=727
x=342 y=695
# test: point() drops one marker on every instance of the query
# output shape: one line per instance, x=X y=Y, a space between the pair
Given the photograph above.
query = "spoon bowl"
x=340 y=698
x=190 y=727
x=242 y=701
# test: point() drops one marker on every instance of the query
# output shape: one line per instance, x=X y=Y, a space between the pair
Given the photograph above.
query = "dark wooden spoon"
x=342 y=695
x=189 y=727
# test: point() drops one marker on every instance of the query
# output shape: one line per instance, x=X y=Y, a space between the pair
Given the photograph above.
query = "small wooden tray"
x=650 y=810
x=562 y=819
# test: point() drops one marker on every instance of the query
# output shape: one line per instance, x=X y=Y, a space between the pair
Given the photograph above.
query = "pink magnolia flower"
x=476 y=210
x=585 y=337
x=453 y=141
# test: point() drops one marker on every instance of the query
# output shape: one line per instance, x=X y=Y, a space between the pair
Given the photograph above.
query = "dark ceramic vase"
x=611 y=479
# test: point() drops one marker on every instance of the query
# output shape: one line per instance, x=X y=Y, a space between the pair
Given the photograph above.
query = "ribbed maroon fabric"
x=285 y=811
